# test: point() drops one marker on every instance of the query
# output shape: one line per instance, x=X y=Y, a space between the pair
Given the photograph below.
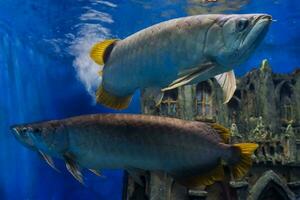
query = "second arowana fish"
x=177 y=52
x=192 y=152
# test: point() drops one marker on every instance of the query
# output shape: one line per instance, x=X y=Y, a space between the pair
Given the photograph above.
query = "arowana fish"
x=177 y=52
x=192 y=152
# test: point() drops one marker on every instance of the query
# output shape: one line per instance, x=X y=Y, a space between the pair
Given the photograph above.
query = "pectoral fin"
x=228 y=84
x=48 y=160
x=188 y=76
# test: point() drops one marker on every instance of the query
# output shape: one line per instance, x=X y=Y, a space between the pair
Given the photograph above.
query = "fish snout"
x=262 y=18
x=266 y=16
x=15 y=130
x=21 y=133
x=18 y=130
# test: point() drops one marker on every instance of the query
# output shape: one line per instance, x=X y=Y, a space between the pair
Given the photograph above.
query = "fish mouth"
x=262 y=18
x=23 y=138
x=258 y=31
x=16 y=130
x=260 y=27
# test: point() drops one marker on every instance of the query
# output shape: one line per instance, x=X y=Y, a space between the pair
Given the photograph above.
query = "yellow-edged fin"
x=112 y=101
x=99 y=51
x=224 y=132
x=217 y=174
x=240 y=169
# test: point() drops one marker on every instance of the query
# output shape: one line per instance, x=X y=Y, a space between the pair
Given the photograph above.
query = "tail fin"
x=112 y=101
x=242 y=167
x=101 y=51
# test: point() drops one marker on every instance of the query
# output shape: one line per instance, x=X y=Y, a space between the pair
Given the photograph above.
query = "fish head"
x=233 y=38
x=21 y=133
x=47 y=137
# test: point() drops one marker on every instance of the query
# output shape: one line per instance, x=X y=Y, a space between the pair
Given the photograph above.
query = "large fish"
x=177 y=52
x=192 y=152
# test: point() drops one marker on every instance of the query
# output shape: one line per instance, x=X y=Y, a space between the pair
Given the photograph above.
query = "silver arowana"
x=192 y=152
x=177 y=52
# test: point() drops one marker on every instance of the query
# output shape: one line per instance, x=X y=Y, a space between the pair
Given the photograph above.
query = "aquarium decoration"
x=269 y=119
x=150 y=100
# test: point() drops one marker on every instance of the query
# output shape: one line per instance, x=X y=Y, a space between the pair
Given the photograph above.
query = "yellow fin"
x=99 y=51
x=100 y=73
x=240 y=169
x=111 y=101
x=217 y=174
x=224 y=132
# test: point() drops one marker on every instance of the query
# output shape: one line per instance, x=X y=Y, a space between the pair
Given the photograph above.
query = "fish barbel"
x=177 y=52
x=191 y=152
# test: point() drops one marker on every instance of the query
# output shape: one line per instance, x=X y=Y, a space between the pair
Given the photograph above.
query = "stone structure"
x=264 y=109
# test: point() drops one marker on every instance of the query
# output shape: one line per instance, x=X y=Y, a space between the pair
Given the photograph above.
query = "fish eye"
x=23 y=130
x=242 y=24
x=36 y=130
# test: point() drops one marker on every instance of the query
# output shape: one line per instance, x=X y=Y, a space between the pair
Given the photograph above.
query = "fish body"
x=177 y=52
x=183 y=149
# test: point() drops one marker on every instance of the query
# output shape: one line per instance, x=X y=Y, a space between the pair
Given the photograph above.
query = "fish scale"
x=187 y=150
x=177 y=52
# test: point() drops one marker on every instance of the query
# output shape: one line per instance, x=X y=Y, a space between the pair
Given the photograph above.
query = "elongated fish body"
x=124 y=141
x=177 y=52
x=181 y=148
x=159 y=53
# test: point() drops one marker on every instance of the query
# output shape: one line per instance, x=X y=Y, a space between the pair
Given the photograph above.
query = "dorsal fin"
x=224 y=132
x=101 y=51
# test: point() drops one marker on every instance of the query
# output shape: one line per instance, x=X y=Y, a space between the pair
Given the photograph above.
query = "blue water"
x=45 y=74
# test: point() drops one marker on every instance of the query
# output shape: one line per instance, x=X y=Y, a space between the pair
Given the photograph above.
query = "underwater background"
x=45 y=73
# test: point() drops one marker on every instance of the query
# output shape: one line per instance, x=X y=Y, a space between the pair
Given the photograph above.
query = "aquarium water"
x=46 y=73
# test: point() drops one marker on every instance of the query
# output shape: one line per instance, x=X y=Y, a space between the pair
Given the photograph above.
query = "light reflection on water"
x=42 y=40
x=195 y=7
